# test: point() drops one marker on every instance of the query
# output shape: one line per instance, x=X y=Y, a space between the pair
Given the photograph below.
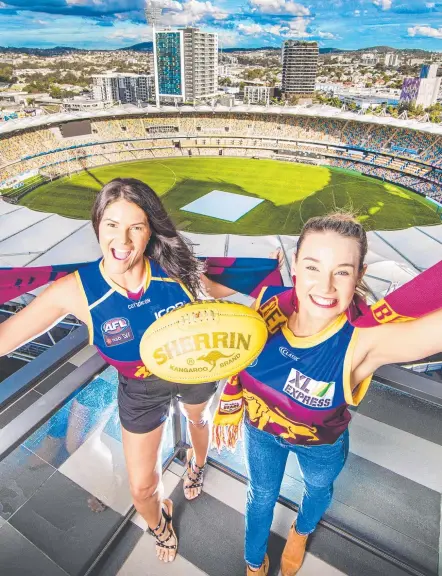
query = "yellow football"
x=203 y=341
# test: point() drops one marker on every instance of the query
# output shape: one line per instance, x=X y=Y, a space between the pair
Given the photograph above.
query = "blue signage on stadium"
x=400 y=149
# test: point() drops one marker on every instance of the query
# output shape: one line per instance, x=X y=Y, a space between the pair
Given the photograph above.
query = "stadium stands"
x=408 y=157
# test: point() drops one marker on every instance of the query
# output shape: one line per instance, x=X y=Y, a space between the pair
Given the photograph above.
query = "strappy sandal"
x=196 y=471
x=159 y=540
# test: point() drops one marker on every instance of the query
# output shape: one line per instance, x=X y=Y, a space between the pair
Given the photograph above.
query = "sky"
x=111 y=24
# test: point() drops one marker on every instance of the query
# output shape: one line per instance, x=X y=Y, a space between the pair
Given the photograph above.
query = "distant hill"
x=148 y=47
x=141 y=47
x=384 y=49
x=57 y=51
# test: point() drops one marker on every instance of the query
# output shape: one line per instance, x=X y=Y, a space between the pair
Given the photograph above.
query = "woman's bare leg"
x=143 y=460
x=200 y=425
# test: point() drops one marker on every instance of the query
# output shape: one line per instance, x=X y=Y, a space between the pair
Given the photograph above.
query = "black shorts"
x=144 y=404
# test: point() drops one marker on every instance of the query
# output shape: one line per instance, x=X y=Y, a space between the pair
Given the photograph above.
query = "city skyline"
x=112 y=24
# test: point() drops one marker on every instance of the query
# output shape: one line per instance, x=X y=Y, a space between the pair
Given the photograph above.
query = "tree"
x=55 y=91
x=6 y=73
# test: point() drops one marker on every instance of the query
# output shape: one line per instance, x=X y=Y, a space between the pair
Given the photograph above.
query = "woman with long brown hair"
x=147 y=269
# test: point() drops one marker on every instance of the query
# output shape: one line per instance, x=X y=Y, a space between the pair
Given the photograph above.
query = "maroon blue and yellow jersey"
x=300 y=388
x=118 y=319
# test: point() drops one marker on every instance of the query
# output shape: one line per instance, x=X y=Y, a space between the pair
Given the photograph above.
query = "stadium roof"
x=132 y=110
x=29 y=238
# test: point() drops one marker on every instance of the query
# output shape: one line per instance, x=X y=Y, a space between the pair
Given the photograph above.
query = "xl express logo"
x=116 y=331
x=309 y=392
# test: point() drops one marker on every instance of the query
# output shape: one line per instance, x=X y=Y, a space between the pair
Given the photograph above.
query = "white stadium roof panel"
x=19 y=221
x=417 y=248
x=432 y=231
x=208 y=244
x=289 y=244
x=34 y=241
x=321 y=111
x=253 y=246
x=6 y=208
x=81 y=246
x=379 y=250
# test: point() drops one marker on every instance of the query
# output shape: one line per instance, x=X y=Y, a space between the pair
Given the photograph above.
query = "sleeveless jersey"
x=299 y=388
x=117 y=321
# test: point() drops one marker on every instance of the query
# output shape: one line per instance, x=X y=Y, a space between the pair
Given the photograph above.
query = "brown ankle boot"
x=294 y=552
x=263 y=571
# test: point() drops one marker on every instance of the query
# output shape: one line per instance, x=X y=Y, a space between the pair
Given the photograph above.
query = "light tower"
x=153 y=13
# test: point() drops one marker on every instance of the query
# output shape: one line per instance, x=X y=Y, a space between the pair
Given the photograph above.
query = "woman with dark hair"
x=315 y=364
x=147 y=270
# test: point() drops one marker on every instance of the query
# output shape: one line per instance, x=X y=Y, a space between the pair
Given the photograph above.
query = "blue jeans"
x=265 y=458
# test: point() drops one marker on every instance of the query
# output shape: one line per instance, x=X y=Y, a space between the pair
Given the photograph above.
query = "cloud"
x=425 y=31
x=384 y=4
x=191 y=12
x=124 y=35
x=327 y=35
x=298 y=27
x=77 y=7
x=256 y=29
x=279 y=7
x=250 y=29
x=430 y=5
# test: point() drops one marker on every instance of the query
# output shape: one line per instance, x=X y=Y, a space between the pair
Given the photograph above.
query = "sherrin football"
x=203 y=341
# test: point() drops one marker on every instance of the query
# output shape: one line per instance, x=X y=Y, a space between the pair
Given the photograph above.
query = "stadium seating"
x=408 y=157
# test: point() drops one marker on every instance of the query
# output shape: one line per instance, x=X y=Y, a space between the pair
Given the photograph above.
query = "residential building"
x=224 y=70
x=370 y=59
x=259 y=94
x=123 y=87
x=299 y=66
x=391 y=60
x=186 y=64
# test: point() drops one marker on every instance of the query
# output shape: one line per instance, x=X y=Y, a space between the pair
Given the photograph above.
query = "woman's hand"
x=279 y=254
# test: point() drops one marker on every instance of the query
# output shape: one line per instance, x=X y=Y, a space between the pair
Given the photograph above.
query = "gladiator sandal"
x=294 y=552
x=196 y=481
x=262 y=570
x=164 y=532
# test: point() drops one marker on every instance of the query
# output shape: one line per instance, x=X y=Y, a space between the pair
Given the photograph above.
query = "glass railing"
x=64 y=490
x=389 y=492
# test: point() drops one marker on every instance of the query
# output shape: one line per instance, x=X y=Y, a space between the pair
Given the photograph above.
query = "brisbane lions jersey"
x=118 y=319
x=300 y=388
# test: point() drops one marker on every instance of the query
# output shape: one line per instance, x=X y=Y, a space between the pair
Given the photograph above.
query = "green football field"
x=292 y=193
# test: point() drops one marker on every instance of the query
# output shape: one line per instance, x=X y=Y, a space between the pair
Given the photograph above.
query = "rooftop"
x=317 y=110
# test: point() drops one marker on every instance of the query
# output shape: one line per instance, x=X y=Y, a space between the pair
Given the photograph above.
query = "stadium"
x=335 y=148
x=251 y=171
x=237 y=182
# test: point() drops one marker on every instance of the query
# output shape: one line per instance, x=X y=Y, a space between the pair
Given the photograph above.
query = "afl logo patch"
x=116 y=331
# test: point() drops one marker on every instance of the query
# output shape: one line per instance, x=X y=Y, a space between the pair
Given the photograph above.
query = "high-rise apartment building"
x=123 y=87
x=186 y=64
x=299 y=66
x=391 y=59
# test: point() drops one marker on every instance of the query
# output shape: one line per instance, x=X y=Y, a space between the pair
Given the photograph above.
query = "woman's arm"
x=397 y=342
x=214 y=289
x=59 y=299
x=217 y=290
